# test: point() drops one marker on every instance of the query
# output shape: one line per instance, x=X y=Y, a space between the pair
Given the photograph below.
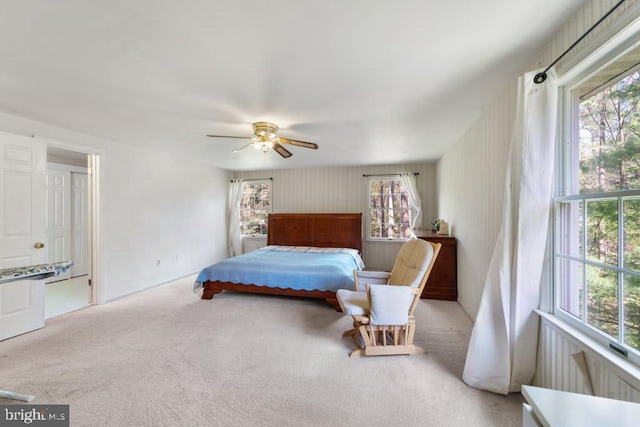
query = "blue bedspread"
x=289 y=267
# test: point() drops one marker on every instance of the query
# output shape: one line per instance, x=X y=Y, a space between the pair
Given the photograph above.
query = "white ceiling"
x=369 y=81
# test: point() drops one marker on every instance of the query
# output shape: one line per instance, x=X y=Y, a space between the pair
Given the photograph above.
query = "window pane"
x=394 y=201
x=261 y=216
x=246 y=228
x=602 y=299
x=248 y=190
x=247 y=202
x=632 y=311
x=602 y=231
x=245 y=215
x=405 y=217
x=396 y=229
x=609 y=138
x=631 y=215
x=376 y=187
x=405 y=231
x=376 y=223
x=571 y=228
x=572 y=286
x=396 y=191
x=251 y=227
x=263 y=195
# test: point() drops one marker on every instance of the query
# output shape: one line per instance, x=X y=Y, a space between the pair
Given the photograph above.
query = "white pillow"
x=389 y=304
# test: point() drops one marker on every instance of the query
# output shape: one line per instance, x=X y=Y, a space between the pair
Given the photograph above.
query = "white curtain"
x=235 y=240
x=409 y=182
x=503 y=346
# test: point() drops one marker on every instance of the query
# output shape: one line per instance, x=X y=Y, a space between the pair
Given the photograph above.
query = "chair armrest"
x=373 y=274
x=362 y=320
x=370 y=277
x=414 y=290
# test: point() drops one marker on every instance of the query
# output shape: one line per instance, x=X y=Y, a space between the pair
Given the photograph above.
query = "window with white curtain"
x=255 y=207
x=597 y=214
x=389 y=212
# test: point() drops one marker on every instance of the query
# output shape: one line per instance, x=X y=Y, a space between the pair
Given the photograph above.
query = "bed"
x=307 y=255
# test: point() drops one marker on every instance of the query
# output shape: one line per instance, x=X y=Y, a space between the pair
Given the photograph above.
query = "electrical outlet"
x=157 y=262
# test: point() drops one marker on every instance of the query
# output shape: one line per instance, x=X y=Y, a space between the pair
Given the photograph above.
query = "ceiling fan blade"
x=244 y=147
x=281 y=150
x=227 y=136
x=299 y=143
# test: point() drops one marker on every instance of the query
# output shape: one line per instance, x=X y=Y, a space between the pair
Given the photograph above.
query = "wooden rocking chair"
x=383 y=321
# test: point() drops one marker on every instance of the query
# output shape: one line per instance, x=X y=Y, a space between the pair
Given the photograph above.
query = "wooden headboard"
x=320 y=230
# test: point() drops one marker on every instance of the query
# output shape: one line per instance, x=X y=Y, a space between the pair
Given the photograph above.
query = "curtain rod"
x=388 y=174
x=541 y=77
x=255 y=179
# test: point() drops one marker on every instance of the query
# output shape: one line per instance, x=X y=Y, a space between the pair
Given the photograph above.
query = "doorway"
x=70 y=229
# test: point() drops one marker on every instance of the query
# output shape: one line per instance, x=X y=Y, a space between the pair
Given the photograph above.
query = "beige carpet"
x=166 y=358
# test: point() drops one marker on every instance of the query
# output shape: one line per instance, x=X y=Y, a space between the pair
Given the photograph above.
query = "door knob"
x=38 y=245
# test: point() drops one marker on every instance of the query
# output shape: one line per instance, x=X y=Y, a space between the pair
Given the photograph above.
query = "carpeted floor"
x=166 y=358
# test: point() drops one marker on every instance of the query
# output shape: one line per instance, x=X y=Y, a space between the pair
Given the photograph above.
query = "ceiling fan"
x=266 y=138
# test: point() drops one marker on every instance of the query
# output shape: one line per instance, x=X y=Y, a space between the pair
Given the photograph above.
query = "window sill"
x=250 y=237
x=386 y=240
x=626 y=370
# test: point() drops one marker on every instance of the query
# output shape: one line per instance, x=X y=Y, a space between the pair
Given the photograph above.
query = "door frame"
x=94 y=175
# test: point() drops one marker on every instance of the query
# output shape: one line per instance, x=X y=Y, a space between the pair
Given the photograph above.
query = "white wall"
x=470 y=184
x=153 y=206
x=157 y=207
x=343 y=190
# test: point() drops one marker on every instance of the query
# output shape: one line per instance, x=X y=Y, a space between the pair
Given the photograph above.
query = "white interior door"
x=22 y=224
x=58 y=218
x=72 y=291
x=80 y=225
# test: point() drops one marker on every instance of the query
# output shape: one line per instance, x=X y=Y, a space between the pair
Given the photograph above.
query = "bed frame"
x=319 y=230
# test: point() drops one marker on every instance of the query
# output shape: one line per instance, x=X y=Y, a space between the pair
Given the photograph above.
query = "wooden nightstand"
x=443 y=281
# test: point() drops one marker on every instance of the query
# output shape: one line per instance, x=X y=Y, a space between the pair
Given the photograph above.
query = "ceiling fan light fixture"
x=266 y=139
x=264 y=128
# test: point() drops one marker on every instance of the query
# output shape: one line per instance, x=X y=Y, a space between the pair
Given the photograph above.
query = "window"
x=389 y=209
x=255 y=207
x=597 y=233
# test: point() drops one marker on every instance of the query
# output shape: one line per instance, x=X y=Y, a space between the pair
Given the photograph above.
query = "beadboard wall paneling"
x=252 y=243
x=470 y=181
x=556 y=368
x=343 y=190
